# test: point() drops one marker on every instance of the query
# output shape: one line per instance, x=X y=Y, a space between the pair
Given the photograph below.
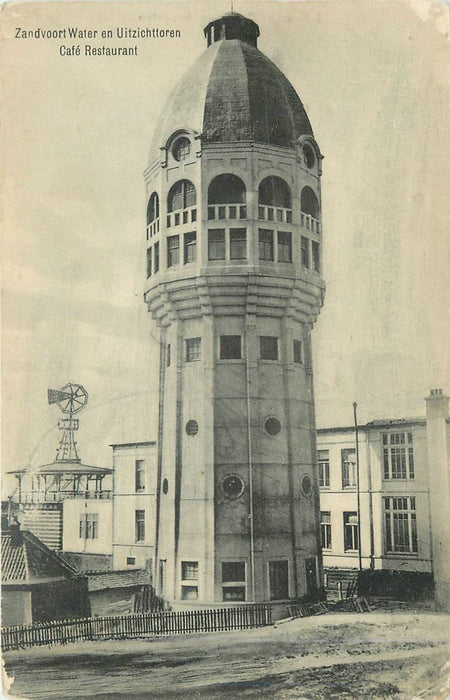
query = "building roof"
x=145 y=443
x=234 y=93
x=378 y=423
x=64 y=467
x=30 y=560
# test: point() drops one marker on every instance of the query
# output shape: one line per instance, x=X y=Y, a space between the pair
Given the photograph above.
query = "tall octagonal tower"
x=234 y=284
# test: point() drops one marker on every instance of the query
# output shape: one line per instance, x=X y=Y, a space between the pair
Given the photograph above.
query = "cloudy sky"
x=76 y=131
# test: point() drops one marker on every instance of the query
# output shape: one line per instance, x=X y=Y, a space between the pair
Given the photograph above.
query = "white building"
x=134 y=505
x=404 y=495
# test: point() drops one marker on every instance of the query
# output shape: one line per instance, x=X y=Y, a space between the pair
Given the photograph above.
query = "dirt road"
x=352 y=656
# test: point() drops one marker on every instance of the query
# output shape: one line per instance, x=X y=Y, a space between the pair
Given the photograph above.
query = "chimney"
x=437 y=405
x=15 y=532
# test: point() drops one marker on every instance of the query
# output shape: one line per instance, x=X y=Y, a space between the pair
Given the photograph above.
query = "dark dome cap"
x=232 y=26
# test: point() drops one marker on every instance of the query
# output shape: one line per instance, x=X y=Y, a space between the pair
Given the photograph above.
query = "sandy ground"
x=395 y=655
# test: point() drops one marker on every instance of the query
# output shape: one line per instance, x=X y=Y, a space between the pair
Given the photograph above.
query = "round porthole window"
x=272 y=426
x=181 y=148
x=232 y=485
x=165 y=486
x=308 y=155
x=192 y=427
x=306 y=486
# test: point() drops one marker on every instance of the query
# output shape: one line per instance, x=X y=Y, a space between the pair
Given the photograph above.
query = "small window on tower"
x=149 y=262
x=216 y=244
x=305 y=251
x=173 y=251
x=230 y=347
x=265 y=244
x=190 y=247
x=298 y=352
x=238 y=244
x=156 y=262
x=193 y=349
x=284 y=246
x=268 y=347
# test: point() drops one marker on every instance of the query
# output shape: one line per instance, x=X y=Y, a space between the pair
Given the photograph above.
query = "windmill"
x=70 y=399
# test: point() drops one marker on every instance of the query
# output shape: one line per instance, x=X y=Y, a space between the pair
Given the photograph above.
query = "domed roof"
x=233 y=93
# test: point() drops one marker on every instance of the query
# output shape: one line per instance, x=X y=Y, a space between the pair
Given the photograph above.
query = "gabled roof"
x=30 y=560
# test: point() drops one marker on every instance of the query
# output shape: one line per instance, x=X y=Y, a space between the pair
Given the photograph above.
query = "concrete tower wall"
x=237 y=494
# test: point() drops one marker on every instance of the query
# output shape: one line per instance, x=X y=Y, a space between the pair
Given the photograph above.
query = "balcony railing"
x=310 y=222
x=277 y=214
x=182 y=216
x=152 y=229
x=58 y=496
x=227 y=211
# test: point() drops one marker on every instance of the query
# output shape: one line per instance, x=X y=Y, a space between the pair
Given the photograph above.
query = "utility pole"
x=358 y=497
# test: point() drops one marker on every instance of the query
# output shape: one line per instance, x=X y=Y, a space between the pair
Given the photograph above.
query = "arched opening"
x=275 y=192
x=182 y=195
x=274 y=200
x=181 y=148
x=153 y=208
x=227 y=197
x=309 y=203
x=226 y=189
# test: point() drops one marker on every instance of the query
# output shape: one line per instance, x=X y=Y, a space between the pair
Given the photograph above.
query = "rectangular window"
x=193 y=349
x=233 y=580
x=230 y=347
x=298 y=352
x=284 y=246
x=190 y=247
x=149 y=262
x=348 y=458
x=139 y=470
x=238 y=244
x=216 y=244
x=350 y=531
x=325 y=529
x=305 y=251
x=324 y=468
x=189 y=592
x=131 y=561
x=168 y=354
x=173 y=250
x=265 y=244
x=189 y=570
x=89 y=526
x=139 y=522
x=400 y=524
x=398 y=455
x=156 y=264
x=268 y=347
x=315 y=256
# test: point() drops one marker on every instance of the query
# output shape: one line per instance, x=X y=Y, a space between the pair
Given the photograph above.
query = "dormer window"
x=308 y=156
x=181 y=148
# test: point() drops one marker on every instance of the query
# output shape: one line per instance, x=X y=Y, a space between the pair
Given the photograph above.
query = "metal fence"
x=136 y=626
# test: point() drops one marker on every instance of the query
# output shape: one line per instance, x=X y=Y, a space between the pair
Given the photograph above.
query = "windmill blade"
x=55 y=396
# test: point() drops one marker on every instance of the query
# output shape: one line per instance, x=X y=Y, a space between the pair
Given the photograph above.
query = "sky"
x=75 y=137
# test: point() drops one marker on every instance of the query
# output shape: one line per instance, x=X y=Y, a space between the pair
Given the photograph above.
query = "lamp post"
x=358 y=498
